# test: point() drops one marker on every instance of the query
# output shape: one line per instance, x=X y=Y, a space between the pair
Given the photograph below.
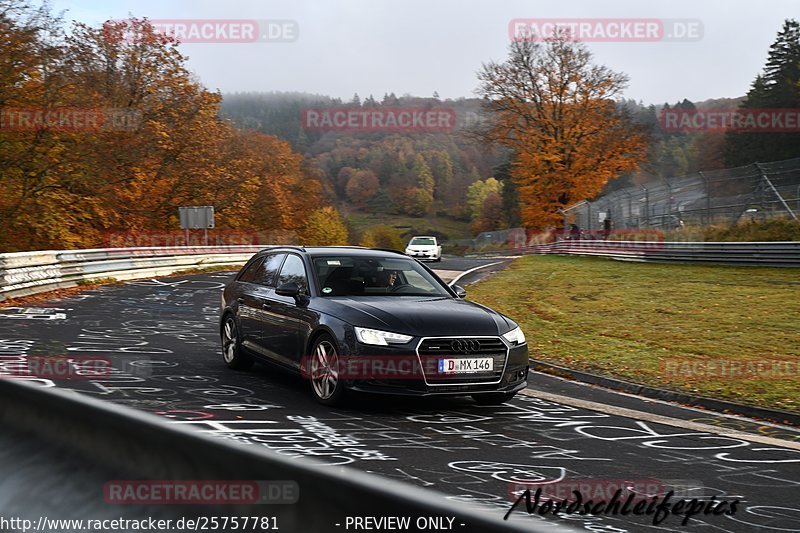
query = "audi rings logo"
x=465 y=345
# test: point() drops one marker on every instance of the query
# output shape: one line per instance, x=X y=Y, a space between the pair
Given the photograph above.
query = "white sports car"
x=423 y=247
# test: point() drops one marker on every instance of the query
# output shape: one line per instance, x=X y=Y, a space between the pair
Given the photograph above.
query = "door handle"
x=266 y=306
x=240 y=300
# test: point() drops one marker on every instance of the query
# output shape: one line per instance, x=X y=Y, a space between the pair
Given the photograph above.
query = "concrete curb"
x=470 y=271
x=773 y=415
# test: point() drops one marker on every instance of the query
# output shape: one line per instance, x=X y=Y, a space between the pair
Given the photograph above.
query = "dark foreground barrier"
x=59 y=451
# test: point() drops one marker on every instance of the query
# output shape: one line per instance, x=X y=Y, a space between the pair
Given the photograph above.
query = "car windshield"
x=423 y=241
x=344 y=275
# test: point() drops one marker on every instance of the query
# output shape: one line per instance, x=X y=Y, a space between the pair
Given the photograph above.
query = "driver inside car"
x=387 y=278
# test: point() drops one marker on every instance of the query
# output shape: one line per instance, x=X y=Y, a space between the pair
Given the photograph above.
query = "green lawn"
x=451 y=228
x=629 y=320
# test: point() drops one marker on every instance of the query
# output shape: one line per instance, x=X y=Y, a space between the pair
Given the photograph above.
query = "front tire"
x=493 y=398
x=232 y=352
x=326 y=385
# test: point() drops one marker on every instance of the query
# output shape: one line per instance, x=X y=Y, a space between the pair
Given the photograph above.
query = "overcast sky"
x=422 y=46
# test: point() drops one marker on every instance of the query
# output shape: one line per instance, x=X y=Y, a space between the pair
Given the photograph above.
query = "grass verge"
x=445 y=227
x=659 y=325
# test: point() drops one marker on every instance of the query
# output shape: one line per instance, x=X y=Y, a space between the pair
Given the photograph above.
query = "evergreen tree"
x=778 y=87
x=782 y=72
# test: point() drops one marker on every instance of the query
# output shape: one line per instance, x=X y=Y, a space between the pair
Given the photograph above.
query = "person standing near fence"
x=606 y=228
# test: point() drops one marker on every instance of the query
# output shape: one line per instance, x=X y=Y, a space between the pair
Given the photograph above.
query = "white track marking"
x=659 y=419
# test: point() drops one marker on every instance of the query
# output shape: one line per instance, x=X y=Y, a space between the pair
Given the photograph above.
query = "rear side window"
x=262 y=271
x=249 y=275
x=270 y=267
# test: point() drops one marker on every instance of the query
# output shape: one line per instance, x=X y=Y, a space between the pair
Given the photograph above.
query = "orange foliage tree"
x=362 y=185
x=70 y=188
x=555 y=110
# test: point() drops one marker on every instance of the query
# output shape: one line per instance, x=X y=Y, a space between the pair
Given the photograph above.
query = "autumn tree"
x=477 y=193
x=421 y=195
x=176 y=156
x=343 y=178
x=362 y=186
x=32 y=160
x=382 y=236
x=441 y=165
x=555 y=109
x=69 y=188
x=324 y=227
x=490 y=217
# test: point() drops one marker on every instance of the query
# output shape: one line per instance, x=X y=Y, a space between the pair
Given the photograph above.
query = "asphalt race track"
x=162 y=337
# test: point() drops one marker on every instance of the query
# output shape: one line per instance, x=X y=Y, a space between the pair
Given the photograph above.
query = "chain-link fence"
x=758 y=191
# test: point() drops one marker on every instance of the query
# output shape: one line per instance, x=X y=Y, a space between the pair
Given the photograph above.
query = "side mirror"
x=288 y=289
x=461 y=292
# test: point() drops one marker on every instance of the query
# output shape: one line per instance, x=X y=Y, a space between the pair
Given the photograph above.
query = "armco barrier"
x=58 y=449
x=24 y=273
x=775 y=254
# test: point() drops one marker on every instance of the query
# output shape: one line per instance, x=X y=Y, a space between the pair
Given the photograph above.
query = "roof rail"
x=388 y=250
x=343 y=247
x=293 y=247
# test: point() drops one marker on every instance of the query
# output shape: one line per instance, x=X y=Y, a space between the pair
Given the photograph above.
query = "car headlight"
x=515 y=336
x=381 y=338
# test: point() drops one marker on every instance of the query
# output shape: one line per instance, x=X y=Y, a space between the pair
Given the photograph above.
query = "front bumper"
x=512 y=378
x=449 y=390
x=422 y=255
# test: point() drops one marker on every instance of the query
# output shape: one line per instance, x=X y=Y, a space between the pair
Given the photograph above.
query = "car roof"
x=334 y=250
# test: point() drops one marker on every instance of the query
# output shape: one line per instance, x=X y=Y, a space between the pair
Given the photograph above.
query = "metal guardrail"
x=24 y=273
x=60 y=448
x=775 y=254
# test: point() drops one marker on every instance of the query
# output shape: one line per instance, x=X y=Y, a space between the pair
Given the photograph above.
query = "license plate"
x=466 y=365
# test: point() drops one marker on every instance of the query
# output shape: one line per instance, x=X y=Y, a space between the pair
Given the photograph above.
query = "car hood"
x=418 y=316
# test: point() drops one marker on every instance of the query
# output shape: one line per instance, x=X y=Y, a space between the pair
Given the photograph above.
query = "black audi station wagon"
x=368 y=320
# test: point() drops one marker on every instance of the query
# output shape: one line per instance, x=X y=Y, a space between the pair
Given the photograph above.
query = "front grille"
x=430 y=350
